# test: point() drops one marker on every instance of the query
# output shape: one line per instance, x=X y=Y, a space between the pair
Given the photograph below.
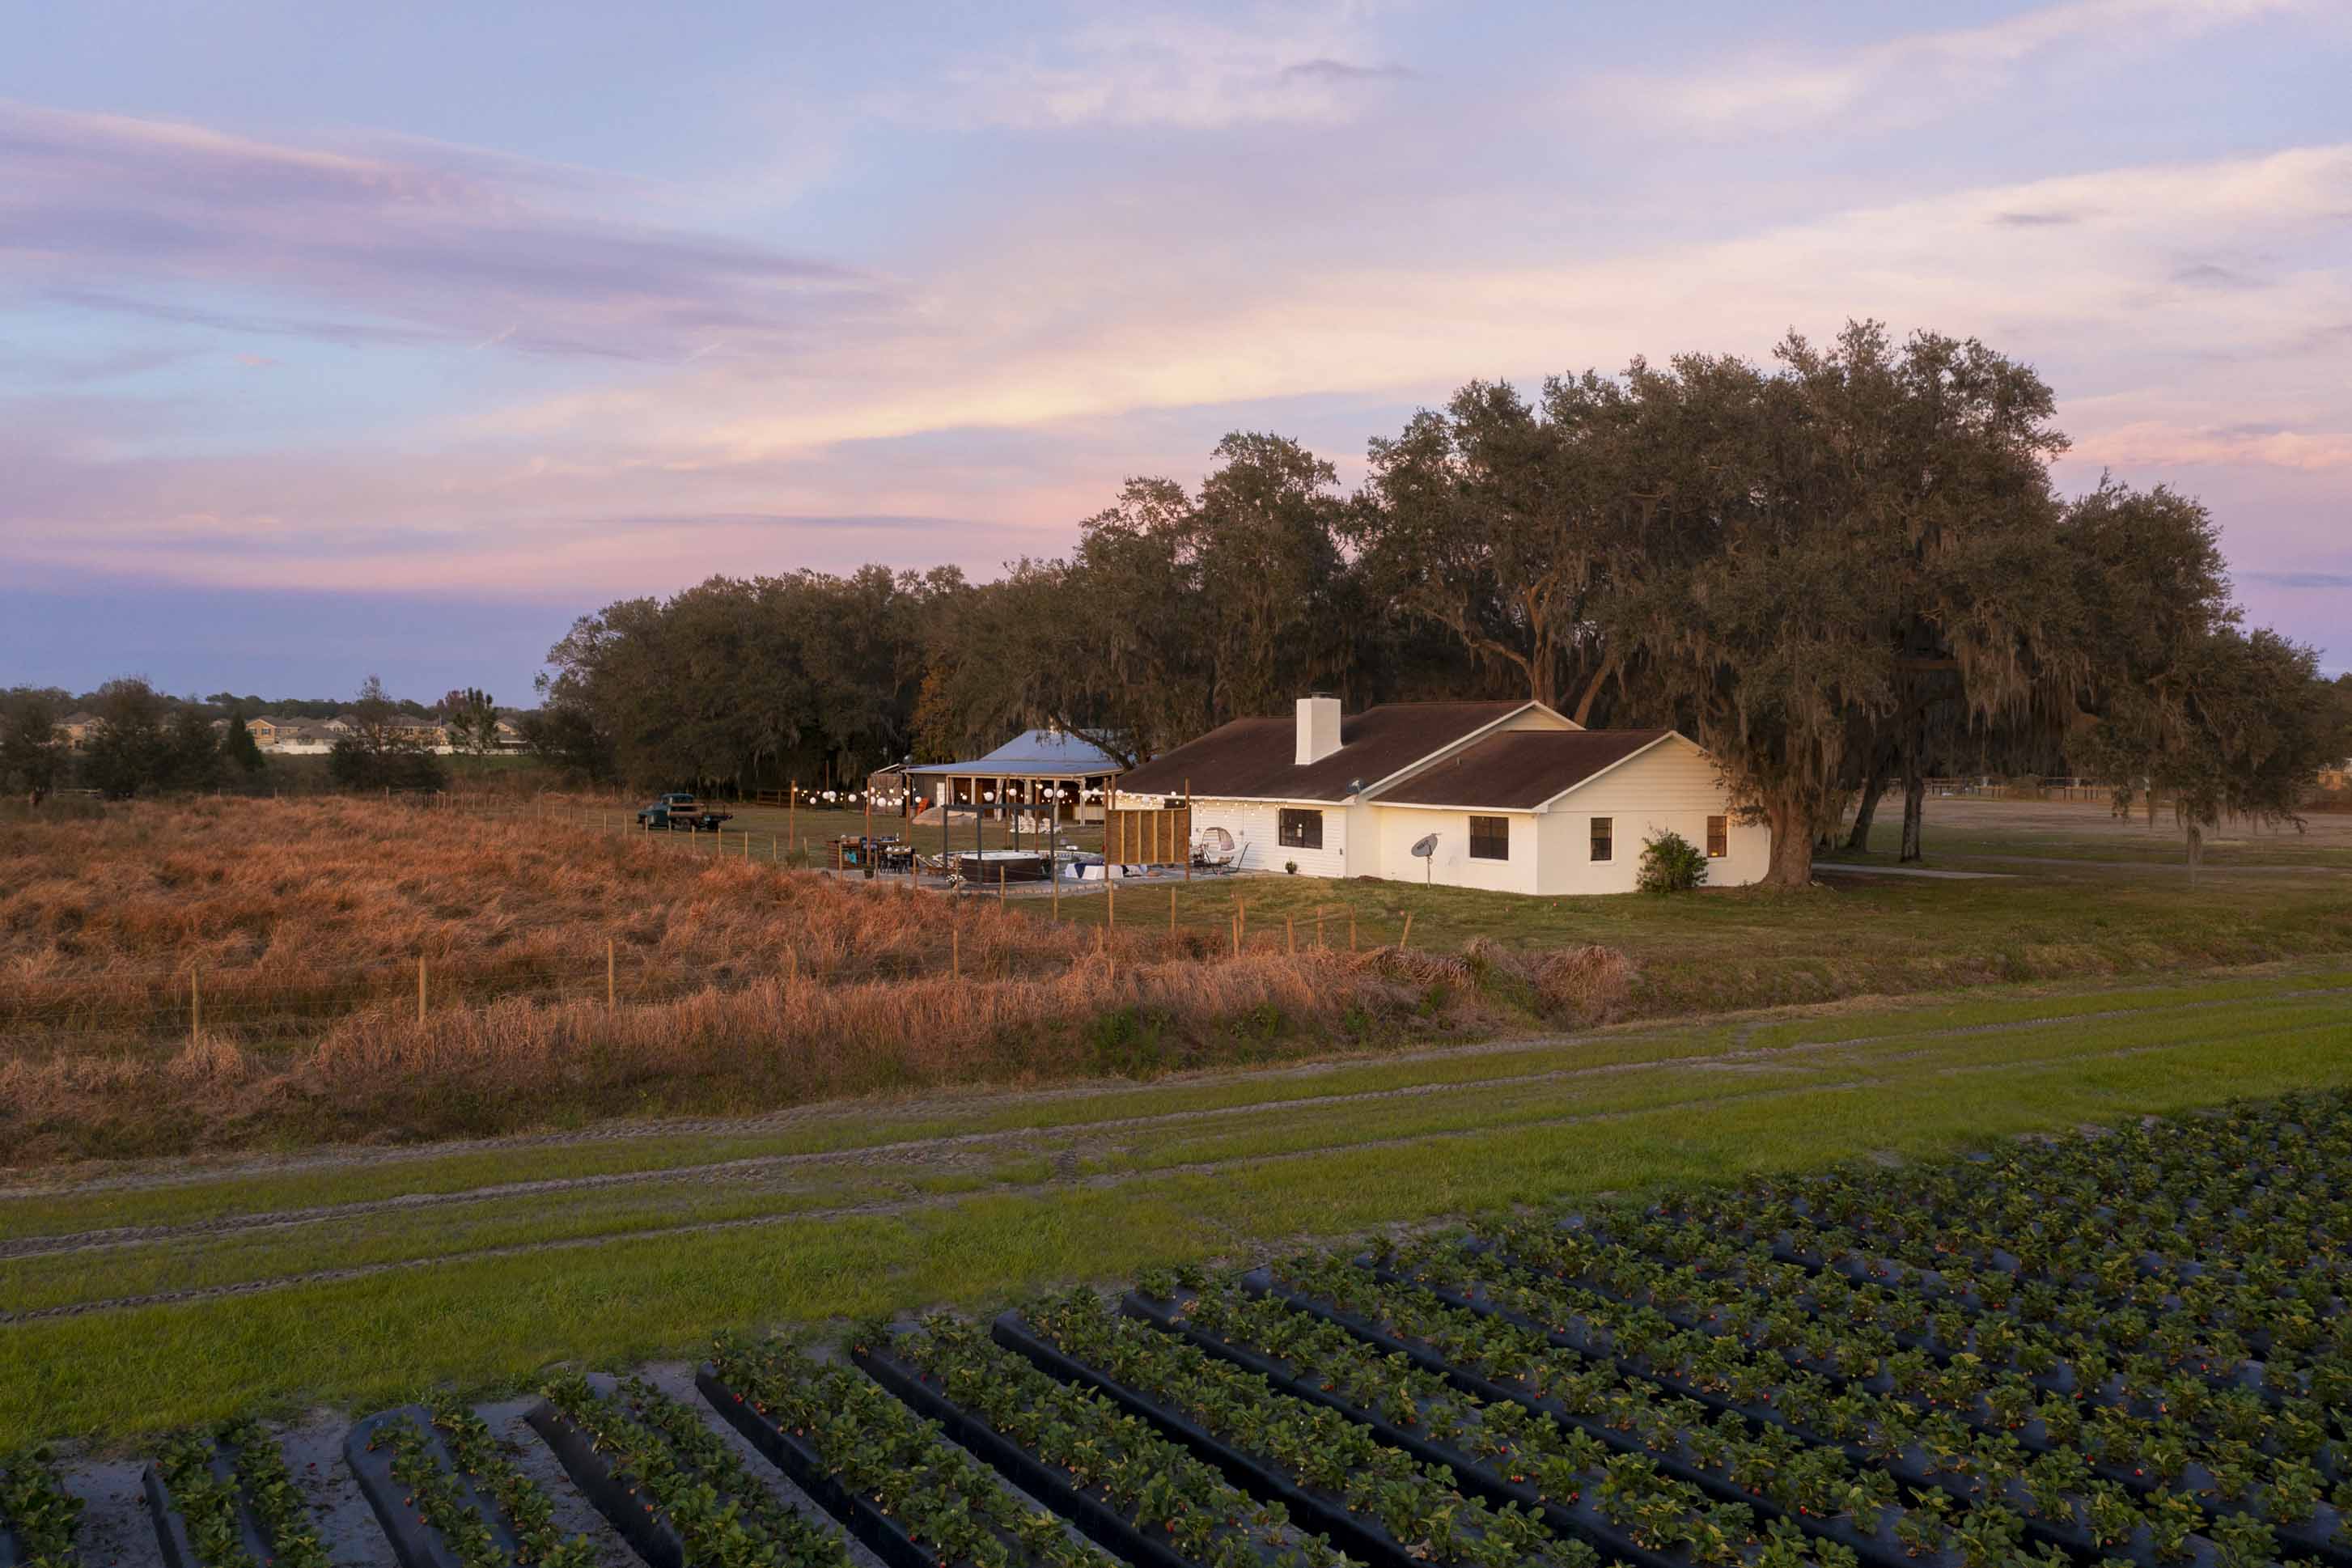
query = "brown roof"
x=1521 y=769
x=1254 y=759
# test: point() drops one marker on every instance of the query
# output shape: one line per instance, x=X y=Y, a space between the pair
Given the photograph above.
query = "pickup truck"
x=680 y=813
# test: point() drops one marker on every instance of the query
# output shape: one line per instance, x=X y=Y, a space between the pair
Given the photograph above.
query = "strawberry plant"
x=225 y=1476
x=1418 y=1506
x=875 y=1447
x=38 y=1511
x=1103 y=1455
x=432 y=1490
x=669 y=1463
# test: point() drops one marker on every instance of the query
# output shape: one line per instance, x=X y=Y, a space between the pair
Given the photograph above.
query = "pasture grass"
x=1723 y=949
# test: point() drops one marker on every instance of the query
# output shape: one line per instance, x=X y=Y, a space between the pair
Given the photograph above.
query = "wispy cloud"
x=1272 y=66
x=2327 y=580
x=2105 y=283
x=413 y=242
x=1910 y=78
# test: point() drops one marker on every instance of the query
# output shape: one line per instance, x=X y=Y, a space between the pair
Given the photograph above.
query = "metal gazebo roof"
x=1033 y=754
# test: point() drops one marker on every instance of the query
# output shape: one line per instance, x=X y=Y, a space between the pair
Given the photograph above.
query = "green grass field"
x=154 y=1297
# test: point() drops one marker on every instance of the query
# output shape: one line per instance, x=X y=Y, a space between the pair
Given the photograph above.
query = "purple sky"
x=340 y=341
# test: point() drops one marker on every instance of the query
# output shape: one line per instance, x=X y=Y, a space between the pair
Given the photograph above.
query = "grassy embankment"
x=355 y=1281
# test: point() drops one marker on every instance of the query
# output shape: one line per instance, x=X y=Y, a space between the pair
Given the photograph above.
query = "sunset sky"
x=338 y=339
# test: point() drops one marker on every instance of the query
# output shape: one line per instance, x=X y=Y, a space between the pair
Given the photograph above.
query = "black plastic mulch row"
x=1359 y=1537
x=2316 y=1539
x=644 y=1526
x=1475 y=1477
x=2071 y=1539
x=1102 y=1523
x=415 y=1540
x=793 y=1455
x=1870 y=1549
x=171 y=1529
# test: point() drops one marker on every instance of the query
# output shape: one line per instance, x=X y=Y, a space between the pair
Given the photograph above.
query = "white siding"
x=1671 y=786
x=1256 y=826
x=1451 y=866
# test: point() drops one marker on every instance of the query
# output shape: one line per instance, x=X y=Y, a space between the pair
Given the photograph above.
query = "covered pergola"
x=1036 y=771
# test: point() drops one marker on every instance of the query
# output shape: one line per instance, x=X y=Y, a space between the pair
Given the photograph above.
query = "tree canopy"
x=1841 y=570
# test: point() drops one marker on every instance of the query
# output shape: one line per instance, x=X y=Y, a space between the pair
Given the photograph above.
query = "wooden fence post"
x=609 y=987
x=1318 y=926
x=1110 y=898
x=1291 y=933
x=1406 y=940
x=1351 y=928
x=420 y=988
x=955 y=953
x=1171 y=911
x=999 y=884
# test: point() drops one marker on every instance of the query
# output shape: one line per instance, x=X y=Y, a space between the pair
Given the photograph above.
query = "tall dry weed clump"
x=738 y=987
x=520 y=1063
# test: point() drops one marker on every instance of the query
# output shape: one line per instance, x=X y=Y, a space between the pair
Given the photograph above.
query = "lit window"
x=1490 y=838
x=1604 y=830
x=1302 y=829
x=1718 y=837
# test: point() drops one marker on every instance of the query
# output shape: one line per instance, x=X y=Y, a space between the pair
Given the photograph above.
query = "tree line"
x=142 y=741
x=1842 y=573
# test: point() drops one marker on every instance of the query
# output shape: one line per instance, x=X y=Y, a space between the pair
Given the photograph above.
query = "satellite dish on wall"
x=1424 y=849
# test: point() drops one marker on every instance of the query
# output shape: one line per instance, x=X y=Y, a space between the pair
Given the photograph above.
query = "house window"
x=1718 y=837
x=1490 y=838
x=1604 y=831
x=1302 y=829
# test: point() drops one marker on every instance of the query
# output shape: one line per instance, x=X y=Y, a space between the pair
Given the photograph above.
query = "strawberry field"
x=2131 y=1346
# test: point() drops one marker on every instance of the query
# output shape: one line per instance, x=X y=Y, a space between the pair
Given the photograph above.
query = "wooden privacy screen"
x=1147 y=837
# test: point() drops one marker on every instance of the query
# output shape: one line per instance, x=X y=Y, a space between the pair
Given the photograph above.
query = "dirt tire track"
x=1105 y=1181
x=1072 y=1142
x=181 y=1171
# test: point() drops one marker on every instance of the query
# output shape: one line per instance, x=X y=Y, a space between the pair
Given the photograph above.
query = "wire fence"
x=253 y=1004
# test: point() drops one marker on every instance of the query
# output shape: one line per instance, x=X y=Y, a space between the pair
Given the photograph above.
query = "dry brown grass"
x=744 y=987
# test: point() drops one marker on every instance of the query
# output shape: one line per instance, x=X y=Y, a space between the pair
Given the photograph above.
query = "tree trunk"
x=1915 y=786
x=2196 y=850
x=1592 y=690
x=1792 y=846
x=1867 y=809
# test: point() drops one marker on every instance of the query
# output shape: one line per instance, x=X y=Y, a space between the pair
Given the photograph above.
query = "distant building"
x=76 y=728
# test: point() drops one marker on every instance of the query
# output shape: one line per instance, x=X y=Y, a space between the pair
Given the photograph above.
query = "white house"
x=1517 y=797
